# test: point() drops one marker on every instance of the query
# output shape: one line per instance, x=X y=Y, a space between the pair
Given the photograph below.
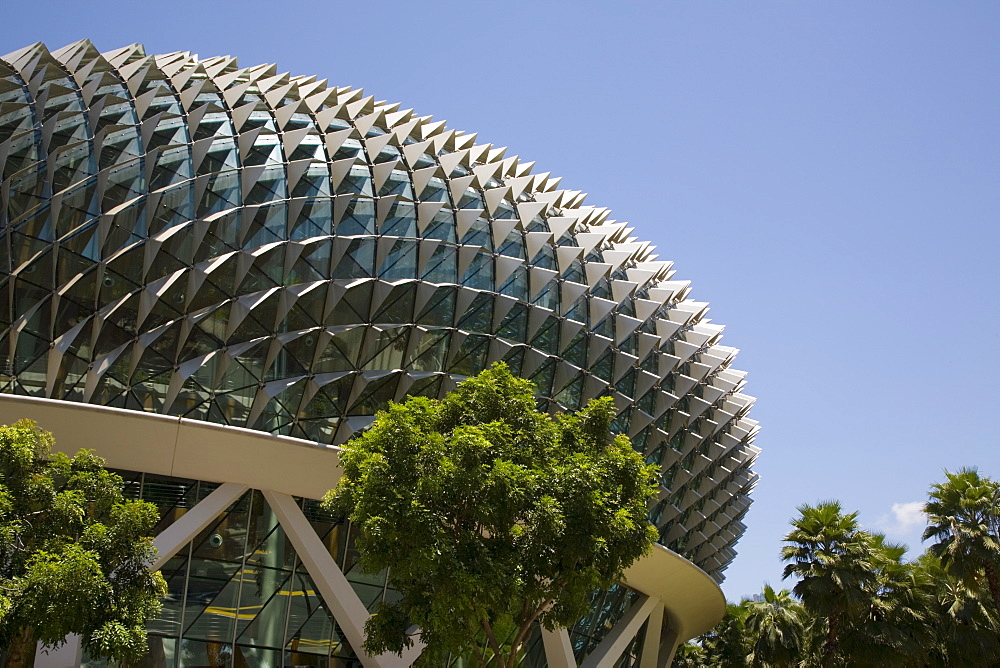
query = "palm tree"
x=964 y=631
x=895 y=626
x=689 y=655
x=726 y=644
x=963 y=516
x=775 y=628
x=831 y=557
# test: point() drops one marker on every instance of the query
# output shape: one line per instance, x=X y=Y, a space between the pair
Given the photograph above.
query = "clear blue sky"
x=826 y=173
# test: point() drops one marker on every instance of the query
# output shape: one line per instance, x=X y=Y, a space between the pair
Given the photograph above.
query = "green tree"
x=727 y=644
x=963 y=630
x=894 y=625
x=963 y=517
x=775 y=628
x=73 y=553
x=690 y=655
x=491 y=515
x=831 y=557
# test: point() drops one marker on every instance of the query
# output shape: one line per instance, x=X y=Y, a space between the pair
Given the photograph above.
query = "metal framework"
x=248 y=248
x=640 y=628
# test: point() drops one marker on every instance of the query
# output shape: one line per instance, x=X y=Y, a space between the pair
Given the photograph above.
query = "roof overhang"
x=186 y=448
x=182 y=447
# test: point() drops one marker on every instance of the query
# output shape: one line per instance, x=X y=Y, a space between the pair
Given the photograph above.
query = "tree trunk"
x=511 y=660
x=519 y=640
x=493 y=644
x=832 y=646
x=993 y=582
x=21 y=653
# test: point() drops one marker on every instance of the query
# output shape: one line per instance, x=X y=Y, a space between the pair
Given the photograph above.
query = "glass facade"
x=607 y=609
x=239 y=597
x=248 y=248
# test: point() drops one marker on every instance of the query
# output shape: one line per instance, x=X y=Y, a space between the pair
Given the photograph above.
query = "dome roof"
x=256 y=249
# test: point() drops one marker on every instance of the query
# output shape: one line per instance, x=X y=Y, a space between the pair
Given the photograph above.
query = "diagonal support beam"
x=611 y=648
x=558 y=649
x=651 y=643
x=668 y=647
x=191 y=523
x=333 y=586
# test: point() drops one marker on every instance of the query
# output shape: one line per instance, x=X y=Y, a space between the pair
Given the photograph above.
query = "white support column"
x=651 y=643
x=330 y=581
x=67 y=655
x=668 y=646
x=605 y=654
x=191 y=523
x=558 y=650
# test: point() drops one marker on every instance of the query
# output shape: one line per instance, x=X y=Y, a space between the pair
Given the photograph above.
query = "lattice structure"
x=246 y=247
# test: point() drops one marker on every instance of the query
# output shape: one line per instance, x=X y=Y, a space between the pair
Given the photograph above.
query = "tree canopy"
x=833 y=562
x=491 y=515
x=858 y=602
x=964 y=518
x=74 y=553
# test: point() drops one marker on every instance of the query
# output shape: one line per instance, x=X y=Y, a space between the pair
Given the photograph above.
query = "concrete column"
x=651 y=643
x=668 y=646
x=558 y=650
x=611 y=648
x=67 y=655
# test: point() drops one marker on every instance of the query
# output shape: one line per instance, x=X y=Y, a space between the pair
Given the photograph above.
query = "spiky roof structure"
x=256 y=249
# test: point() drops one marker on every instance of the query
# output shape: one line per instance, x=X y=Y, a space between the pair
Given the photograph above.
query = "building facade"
x=216 y=275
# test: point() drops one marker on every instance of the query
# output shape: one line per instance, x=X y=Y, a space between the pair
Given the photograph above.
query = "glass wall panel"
x=238 y=596
x=607 y=609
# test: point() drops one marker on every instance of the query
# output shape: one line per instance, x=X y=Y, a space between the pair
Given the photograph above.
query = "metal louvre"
x=255 y=249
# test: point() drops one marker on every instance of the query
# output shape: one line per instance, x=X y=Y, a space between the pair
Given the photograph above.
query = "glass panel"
x=211 y=653
x=607 y=609
x=401 y=262
x=262 y=609
x=479 y=275
x=310 y=626
x=168 y=622
x=443 y=266
x=479 y=316
x=440 y=308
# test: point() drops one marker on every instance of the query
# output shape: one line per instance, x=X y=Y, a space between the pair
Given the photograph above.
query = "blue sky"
x=827 y=174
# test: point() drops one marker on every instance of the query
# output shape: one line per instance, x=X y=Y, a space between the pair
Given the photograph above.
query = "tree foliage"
x=728 y=643
x=964 y=518
x=858 y=602
x=775 y=626
x=963 y=630
x=491 y=515
x=74 y=554
x=832 y=560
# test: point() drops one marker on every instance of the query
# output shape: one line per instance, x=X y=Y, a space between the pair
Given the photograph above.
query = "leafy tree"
x=963 y=630
x=491 y=515
x=727 y=644
x=862 y=604
x=690 y=655
x=893 y=626
x=831 y=557
x=73 y=553
x=963 y=516
x=775 y=628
